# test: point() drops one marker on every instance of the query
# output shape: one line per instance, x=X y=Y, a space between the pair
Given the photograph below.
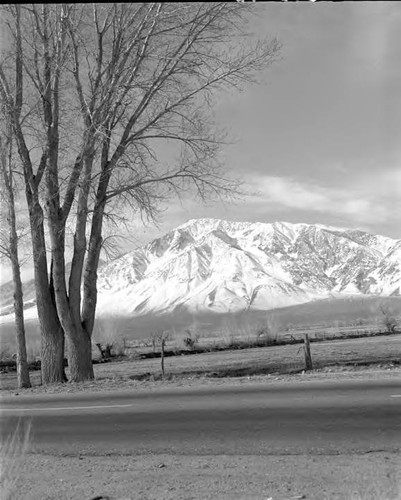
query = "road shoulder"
x=168 y=477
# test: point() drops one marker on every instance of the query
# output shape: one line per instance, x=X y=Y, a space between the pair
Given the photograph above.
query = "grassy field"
x=320 y=319
x=264 y=360
x=223 y=341
x=286 y=359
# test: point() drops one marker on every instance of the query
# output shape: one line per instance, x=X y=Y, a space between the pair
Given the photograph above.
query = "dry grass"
x=278 y=360
x=321 y=318
x=12 y=453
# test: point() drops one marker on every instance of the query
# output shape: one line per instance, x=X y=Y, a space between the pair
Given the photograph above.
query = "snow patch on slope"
x=222 y=266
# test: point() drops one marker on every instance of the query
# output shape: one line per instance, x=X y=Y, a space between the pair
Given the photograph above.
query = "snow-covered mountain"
x=221 y=266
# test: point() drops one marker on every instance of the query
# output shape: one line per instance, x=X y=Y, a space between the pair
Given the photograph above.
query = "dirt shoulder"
x=117 y=383
x=374 y=476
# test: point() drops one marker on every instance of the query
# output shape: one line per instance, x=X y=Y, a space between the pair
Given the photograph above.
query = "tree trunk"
x=22 y=365
x=52 y=358
x=90 y=274
x=52 y=334
x=80 y=357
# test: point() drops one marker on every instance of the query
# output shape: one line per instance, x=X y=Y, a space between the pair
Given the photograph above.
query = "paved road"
x=305 y=417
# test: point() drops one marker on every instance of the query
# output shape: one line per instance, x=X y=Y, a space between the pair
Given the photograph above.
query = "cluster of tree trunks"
x=92 y=94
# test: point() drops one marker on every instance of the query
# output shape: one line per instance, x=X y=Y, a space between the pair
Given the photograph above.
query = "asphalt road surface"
x=284 y=418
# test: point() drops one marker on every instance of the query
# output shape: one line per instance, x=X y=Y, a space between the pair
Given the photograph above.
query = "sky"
x=318 y=140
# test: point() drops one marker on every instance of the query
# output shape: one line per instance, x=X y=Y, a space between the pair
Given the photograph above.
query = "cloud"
x=385 y=183
x=369 y=201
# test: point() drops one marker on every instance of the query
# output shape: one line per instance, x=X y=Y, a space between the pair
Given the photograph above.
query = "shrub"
x=267 y=330
x=111 y=329
x=190 y=340
x=388 y=319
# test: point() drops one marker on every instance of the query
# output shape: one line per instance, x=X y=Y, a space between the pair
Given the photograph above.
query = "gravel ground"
x=375 y=476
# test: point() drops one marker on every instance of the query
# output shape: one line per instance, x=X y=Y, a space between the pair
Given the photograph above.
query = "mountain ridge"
x=224 y=266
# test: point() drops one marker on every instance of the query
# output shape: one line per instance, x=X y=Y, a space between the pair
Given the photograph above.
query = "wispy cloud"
x=371 y=200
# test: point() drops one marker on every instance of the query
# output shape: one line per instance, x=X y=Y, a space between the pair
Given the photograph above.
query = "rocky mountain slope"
x=221 y=266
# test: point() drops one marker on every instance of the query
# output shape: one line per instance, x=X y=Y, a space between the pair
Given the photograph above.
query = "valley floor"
x=339 y=358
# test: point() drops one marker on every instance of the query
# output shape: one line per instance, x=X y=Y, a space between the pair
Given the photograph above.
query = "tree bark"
x=52 y=358
x=92 y=262
x=22 y=365
x=80 y=356
x=52 y=334
x=52 y=355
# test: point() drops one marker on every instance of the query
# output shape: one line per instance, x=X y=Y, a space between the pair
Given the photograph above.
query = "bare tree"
x=13 y=92
x=120 y=97
x=10 y=249
x=388 y=318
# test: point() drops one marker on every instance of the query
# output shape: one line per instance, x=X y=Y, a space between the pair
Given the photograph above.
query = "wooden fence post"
x=308 y=356
x=162 y=354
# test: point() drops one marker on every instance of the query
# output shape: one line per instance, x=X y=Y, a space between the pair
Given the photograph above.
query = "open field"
x=320 y=319
x=285 y=359
x=264 y=360
x=224 y=333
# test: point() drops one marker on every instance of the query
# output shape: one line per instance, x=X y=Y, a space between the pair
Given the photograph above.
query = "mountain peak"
x=217 y=265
